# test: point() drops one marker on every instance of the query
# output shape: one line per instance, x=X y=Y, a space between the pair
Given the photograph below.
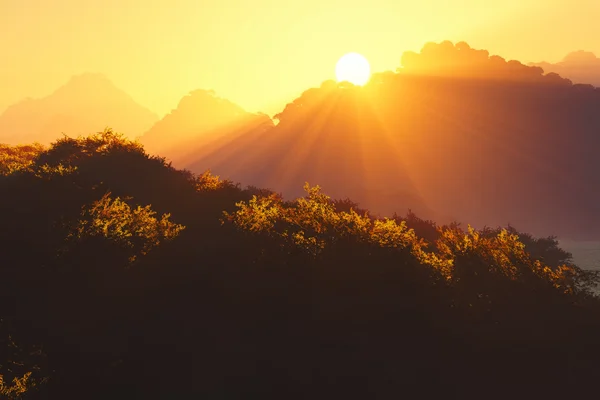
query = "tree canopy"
x=123 y=275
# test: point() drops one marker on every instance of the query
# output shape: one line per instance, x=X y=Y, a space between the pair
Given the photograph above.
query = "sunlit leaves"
x=62 y=156
x=312 y=223
x=503 y=255
x=210 y=182
x=136 y=229
x=257 y=215
x=17 y=158
x=388 y=233
x=46 y=171
x=16 y=388
x=70 y=149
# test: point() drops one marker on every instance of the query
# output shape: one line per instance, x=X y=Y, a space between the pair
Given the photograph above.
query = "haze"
x=260 y=54
x=198 y=204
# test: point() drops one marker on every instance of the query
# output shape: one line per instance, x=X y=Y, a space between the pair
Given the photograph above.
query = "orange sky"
x=261 y=53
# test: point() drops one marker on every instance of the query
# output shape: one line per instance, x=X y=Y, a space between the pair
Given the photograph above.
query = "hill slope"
x=129 y=278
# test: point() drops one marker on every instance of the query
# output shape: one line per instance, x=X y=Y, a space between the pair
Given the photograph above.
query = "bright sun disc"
x=354 y=68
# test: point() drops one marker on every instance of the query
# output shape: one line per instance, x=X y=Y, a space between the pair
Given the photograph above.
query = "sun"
x=354 y=68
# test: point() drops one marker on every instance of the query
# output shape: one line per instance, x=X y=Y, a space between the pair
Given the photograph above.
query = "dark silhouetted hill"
x=87 y=103
x=453 y=134
x=125 y=278
x=579 y=66
x=201 y=123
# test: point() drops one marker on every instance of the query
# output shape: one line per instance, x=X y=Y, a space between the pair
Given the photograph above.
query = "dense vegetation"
x=124 y=277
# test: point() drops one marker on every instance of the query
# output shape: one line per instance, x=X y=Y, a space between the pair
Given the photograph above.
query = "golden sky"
x=261 y=53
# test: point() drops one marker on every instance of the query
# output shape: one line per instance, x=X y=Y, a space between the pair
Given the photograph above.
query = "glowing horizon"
x=263 y=54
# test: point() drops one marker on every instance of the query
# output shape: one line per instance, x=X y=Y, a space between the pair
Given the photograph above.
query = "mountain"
x=453 y=134
x=86 y=103
x=579 y=66
x=201 y=123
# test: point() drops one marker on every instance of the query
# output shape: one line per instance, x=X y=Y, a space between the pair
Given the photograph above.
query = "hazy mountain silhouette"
x=86 y=103
x=579 y=66
x=454 y=133
x=201 y=123
x=316 y=141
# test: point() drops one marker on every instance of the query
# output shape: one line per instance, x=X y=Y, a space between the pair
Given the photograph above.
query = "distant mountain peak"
x=90 y=81
x=90 y=76
x=206 y=101
x=199 y=115
x=580 y=56
x=86 y=103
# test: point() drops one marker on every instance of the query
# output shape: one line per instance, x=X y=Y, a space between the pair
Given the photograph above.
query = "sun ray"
x=389 y=148
x=299 y=154
x=342 y=153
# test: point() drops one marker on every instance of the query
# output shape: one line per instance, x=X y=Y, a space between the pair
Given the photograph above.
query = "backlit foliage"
x=304 y=283
x=46 y=171
x=16 y=158
x=62 y=156
x=207 y=181
x=68 y=150
x=312 y=223
x=136 y=229
x=16 y=388
x=503 y=255
x=545 y=249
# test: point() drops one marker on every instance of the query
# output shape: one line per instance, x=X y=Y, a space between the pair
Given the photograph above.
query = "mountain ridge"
x=87 y=102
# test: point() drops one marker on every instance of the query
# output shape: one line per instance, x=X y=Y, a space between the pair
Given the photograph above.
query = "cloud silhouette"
x=460 y=60
x=579 y=66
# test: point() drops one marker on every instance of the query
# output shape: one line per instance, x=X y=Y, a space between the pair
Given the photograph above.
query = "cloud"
x=87 y=103
x=460 y=60
x=579 y=66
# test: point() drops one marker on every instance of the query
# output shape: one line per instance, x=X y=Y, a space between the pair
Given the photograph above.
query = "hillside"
x=86 y=103
x=125 y=275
